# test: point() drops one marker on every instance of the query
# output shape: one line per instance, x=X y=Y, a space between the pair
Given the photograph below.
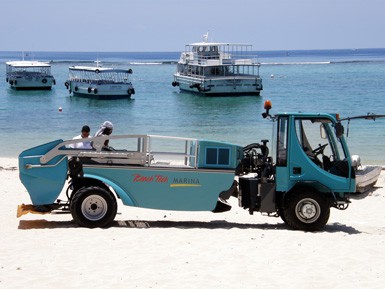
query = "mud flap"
x=233 y=191
x=222 y=206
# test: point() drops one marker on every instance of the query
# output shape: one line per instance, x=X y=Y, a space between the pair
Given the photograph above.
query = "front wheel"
x=93 y=207
x=307 y=211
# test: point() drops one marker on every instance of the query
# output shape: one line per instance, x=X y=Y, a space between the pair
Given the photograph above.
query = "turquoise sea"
x=348 y=82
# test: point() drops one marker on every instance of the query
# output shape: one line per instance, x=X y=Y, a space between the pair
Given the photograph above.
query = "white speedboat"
x=99 y=82
x=366 y=176
x=29 y=75
x=211 y=68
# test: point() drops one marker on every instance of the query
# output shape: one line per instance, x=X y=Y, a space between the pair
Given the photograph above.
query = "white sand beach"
x=163 y=249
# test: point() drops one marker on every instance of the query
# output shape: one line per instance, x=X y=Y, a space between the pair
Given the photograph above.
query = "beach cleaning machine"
x=308 y=172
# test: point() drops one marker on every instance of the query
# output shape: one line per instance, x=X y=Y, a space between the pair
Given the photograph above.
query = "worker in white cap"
x=105 y=129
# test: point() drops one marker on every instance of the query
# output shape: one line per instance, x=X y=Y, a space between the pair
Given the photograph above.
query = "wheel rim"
x=94 y=207
x=308 y=210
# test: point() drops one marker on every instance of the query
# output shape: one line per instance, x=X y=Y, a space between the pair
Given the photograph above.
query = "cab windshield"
x=318 y=140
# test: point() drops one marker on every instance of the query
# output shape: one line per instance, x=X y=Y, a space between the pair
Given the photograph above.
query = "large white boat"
x=29 y=75
x=99 y=82
x=211 y=68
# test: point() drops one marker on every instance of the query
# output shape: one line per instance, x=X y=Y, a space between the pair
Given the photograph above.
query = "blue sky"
x=167 y=25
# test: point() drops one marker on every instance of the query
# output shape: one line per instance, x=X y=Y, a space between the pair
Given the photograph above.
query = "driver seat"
x=327 y=164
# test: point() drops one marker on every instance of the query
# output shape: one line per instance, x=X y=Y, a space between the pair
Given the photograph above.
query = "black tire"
x=306 y=210
x=93 y=207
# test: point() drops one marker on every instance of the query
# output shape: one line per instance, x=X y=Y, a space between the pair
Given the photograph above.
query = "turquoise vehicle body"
x=204 y=170
x=309 y=171
x=44 y=184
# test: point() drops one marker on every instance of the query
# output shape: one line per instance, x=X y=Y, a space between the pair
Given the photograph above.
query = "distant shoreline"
x=320 y=56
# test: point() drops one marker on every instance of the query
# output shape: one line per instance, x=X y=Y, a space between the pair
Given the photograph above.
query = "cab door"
x=315 y=155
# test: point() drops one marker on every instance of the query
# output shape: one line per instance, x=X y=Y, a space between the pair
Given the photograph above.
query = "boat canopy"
x=27 y=64
x=98 y=69
x=214 y=54
x=27 y=68
x=99 y=74
x=217 y=44
x=224 y=48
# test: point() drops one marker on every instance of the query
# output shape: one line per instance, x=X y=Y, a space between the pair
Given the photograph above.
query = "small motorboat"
x=99 y=82
x=29 y=75
x=366 y=176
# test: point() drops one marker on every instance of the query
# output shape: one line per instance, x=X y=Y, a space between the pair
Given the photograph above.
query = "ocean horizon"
x=333 y=55
x=345 y=81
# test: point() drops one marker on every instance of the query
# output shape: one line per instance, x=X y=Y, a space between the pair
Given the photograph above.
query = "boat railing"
x=220 y=59
x=29 y=70
x=203 y=71
x=143 y=150
x=28 y=74
x=99 y=78
x=99 y=81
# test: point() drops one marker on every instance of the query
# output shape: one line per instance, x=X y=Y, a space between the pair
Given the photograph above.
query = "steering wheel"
x=319 y=150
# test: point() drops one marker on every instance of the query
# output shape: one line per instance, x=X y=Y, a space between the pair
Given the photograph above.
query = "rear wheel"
x=306 y=210
x=93 y=207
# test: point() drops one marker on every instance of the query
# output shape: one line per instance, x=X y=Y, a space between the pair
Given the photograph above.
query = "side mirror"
x=339 y=129
x=322 y=131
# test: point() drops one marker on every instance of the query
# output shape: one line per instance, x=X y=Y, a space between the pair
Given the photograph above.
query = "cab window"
x=282 y=141
x=318 y=141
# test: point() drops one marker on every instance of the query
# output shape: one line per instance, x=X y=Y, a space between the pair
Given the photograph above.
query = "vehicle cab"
x=311 y=148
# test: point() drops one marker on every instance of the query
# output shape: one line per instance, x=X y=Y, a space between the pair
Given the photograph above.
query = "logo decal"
x=176 y=182
x=138 y=178
x=185 y=182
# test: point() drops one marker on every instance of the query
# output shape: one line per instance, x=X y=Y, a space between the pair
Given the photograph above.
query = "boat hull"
x=32 y=83
x=220 y=86
x=367 y=177
x=101 y=91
